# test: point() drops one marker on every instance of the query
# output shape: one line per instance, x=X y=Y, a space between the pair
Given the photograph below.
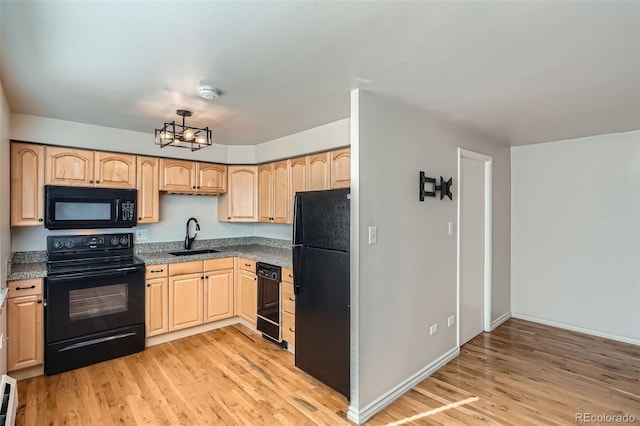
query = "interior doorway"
x=474 y=244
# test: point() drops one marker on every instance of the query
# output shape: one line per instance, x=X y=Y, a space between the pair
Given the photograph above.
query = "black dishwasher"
x=269 y=278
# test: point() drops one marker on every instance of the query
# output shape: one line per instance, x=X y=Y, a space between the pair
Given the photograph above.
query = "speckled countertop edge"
x=29 y=265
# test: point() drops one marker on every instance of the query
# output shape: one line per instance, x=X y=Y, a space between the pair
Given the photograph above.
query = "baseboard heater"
x=9 y=407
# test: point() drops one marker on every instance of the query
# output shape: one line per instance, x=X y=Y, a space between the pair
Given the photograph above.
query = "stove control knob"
x=58 y=244
x=69 y=244
x=114 y=241
x=124 y=241
x=274 y=275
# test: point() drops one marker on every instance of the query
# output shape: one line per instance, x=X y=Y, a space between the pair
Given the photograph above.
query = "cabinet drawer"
x=156 y=271
x=183 y=268
x=288 y=299
x=289 y=328
x=218 y=264
x=247 y=265
x=24 y=287
x=287 y=275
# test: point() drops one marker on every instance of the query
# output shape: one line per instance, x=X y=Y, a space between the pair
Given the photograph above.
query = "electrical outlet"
x=373 y=234
x=141 y=235
x=433 y=329
x=452 y=228
x=451 y=320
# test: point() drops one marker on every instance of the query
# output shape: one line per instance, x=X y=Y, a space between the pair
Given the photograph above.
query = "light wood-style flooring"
x=522 y=373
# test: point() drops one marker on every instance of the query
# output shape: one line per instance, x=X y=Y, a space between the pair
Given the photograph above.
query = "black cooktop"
x=92 y=265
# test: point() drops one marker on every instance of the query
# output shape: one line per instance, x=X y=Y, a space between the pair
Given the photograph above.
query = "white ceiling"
x=522 y=72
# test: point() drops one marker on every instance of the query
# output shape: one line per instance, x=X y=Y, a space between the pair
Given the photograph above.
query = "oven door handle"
x=96 y=341
x=70 y=277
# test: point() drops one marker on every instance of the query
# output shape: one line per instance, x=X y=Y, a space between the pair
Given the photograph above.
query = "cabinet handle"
x=247 y=264
x=193 y=187
x=206 y=277
x=148 y=285
x=25 y=288
x=229 y=217
x=153 y=271
x=40 y=219
x=39 y=301
x=290 y=276
x=198 y=187
x=255 y=278
x=139 y=218
x=97 y=181
x=293 y=300
x=291 y=330
x=90 y=181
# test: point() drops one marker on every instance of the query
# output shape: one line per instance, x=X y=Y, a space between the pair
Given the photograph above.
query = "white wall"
x=30 y=128
x=407 y=281
x=321 y=138
x=5 y=220
x=576 y=234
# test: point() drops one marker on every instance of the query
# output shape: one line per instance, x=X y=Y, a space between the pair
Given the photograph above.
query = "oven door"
x=81 y=304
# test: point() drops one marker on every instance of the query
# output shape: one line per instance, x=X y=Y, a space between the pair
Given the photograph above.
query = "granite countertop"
x=273 y=255
x=27 y=265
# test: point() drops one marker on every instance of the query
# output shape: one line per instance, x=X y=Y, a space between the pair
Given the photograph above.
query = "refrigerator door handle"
x=297 y=221
x=296 y=269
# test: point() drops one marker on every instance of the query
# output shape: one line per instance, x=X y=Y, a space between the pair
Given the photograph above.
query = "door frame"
x=488 y=243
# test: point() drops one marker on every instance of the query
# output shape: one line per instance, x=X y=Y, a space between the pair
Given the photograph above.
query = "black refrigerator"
x=322 y=285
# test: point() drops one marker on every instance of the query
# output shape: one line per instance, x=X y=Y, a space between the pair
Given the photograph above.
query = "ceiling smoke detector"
x=207 y=90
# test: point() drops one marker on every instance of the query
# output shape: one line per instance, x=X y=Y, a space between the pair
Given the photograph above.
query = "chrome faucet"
x=188 y=241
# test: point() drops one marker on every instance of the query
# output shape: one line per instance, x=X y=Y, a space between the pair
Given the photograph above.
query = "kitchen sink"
x=190 y=252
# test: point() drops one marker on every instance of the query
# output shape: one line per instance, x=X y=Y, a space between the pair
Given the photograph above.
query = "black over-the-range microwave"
x=72 y=207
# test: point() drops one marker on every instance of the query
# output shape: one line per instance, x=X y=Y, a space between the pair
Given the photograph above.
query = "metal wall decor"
x=183 y=136
x=444 y=187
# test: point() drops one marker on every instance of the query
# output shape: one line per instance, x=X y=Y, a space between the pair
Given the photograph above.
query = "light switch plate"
x=452 y=228
x=451 y=320
x=141 y=235
x=433 y=329
x=373 y=234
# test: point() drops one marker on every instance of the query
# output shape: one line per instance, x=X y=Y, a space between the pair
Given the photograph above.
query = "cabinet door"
x=297 y=180
x=265 y=194
x=147 y=182
x=318 y=173
x=177 y=176
x=280 y=179
x=341 y=168
x=240 y=203
x=27 y=184
x=69 y=167
x=25 y=328
x=218 y=295
x=115 y=170
x=247 y=295
x=157 y=306
x=185 y=301
x=211 y=178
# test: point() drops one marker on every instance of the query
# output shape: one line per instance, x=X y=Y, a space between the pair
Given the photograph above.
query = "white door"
x=471 y=228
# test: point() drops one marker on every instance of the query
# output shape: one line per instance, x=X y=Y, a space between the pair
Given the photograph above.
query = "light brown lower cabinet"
x=247 y=291
x=185 y=301
x=288 y=307
x=218 y=289
x=25 y=329
x=157 y=306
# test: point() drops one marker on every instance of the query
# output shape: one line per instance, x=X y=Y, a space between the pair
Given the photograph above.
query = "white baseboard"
x=361 y=416
x=498 y=322
x=615 y=337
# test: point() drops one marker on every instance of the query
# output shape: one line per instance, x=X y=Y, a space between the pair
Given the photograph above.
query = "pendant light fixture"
x=183 y=136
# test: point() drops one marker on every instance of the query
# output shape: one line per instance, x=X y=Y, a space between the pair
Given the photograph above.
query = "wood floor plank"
x=520 y=374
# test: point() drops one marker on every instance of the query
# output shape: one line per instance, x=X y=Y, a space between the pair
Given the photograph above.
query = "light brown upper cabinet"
x=297 y=180
x=189 y=177
x=318 y=171
x=27 y=184
x=273 y=192
x=341 y=168
x=79 y=167
x=148 y=189
x=240 y=203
